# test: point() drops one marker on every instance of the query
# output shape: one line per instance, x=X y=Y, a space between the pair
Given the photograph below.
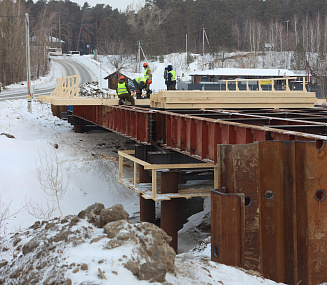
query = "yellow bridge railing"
x=266 y=81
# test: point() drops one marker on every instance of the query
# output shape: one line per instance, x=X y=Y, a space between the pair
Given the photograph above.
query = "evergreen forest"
x=160 y=27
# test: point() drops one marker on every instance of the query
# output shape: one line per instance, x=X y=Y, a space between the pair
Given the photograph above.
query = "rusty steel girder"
x=280 y=229
x=197 y=135
x=133 y=123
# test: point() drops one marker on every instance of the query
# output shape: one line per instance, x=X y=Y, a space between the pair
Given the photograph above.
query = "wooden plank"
x=210 y=93
x=127 y=155
x=45 y=98
x=154 y=184
x=237 y=106
x=180 y=166
x=120 y=173
x=175 y=99
x=123 y=152
x=135 y=174
x=321 y=101
x=241 y=100
x=87 y=101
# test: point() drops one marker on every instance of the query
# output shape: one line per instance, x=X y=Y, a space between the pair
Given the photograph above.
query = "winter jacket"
x=148 y=73
x=142 y=82
x=122 y=89
x=171 y=75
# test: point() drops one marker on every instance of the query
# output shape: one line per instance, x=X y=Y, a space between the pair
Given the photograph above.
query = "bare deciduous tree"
x=50 y=177
x=6 y=215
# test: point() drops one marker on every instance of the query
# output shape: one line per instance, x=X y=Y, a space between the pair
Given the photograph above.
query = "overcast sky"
x=119 y=4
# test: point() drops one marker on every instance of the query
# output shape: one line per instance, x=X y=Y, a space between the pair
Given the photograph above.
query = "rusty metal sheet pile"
x=285 y=221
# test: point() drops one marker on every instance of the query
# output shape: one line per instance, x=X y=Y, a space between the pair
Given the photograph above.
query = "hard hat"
x=145 y=64
x=122 y=77
x=150 y=81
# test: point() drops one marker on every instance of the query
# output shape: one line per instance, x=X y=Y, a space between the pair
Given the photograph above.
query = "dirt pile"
x=59 y=251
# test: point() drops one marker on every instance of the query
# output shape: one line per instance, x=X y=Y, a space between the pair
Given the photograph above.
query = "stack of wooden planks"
x=186 y=99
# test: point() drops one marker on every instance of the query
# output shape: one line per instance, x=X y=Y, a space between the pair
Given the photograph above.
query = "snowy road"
x=69 y=66
x=61 y=66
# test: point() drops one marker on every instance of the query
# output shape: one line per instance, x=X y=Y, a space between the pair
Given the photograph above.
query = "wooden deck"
x=67 y=93
x=232 y=99
x=58 y=101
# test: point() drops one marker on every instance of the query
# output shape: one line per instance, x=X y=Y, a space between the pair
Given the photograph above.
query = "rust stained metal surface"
x=228 y=241
x=169 y=209
x=134 y=123
x=198 y=133
x=285 y=221
x=311 y=163
x=201 y=135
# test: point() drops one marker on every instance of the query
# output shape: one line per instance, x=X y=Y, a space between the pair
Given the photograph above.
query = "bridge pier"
x=169 y=209
x=147 y=206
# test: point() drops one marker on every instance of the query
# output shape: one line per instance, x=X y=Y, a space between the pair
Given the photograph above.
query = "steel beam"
x=169 y=209
x=147 y=206
x=198 y=136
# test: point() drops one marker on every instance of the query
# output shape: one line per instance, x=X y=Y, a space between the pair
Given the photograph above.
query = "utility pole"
x=139 y=56
x=203 y=41
x=59 y=32
x=186 y=50
x=100 y=79
x=287 y=43
x=28 y=65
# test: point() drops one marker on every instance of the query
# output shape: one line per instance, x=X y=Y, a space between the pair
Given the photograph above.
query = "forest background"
x=163 y=27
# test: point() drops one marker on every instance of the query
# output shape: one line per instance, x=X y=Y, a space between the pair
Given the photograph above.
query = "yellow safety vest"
x=146 y=76
x=139 y=79
x=121 y=89
x=173 y=75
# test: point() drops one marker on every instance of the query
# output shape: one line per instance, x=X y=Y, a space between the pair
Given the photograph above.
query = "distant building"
x=213 y=79
x=218 y=74
x=113 y=79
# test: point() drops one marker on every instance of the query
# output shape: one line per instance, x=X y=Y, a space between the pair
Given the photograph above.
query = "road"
x=61 y=66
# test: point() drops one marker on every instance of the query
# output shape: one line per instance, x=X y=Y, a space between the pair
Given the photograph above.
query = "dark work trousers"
x=171 y=86
x=138 y=90
x=126 y=96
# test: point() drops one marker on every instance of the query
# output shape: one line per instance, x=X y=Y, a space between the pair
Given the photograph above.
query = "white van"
x=74 y=52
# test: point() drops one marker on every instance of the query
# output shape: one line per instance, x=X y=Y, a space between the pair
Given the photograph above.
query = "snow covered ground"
x=87 y=169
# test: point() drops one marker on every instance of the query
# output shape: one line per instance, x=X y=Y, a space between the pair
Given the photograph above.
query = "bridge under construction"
x=260 y=155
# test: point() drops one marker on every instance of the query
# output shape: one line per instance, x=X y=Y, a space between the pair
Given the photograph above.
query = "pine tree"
x=299 y=58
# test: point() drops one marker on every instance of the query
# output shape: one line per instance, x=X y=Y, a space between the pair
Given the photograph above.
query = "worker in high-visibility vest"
x=147 y=71
x=166 y=76
x=141 y=83
x=171 y=78
x=123 y=92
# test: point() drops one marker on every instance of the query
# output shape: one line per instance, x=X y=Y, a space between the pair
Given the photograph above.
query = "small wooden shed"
x=113 y=79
